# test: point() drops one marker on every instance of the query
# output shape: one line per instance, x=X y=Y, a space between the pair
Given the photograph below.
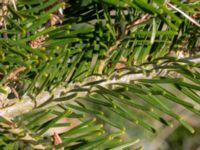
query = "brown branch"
x=116 y=43
x=137 y=21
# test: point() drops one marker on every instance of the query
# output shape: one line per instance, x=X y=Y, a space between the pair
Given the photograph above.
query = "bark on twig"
x=26 y=104
x=116 y=43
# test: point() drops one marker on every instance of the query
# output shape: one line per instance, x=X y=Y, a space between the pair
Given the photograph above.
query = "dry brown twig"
x=132 y=24
x=137 y=21
x=116 y=43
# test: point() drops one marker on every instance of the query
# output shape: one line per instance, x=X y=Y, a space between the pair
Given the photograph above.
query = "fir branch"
x=26 y=103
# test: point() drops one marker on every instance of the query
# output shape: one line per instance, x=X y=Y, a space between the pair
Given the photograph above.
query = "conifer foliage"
x=75 y=74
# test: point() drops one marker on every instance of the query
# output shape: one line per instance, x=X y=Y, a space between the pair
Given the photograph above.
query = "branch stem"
x=26 y=104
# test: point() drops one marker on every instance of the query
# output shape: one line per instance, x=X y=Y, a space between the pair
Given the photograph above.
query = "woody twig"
x=116 y=43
